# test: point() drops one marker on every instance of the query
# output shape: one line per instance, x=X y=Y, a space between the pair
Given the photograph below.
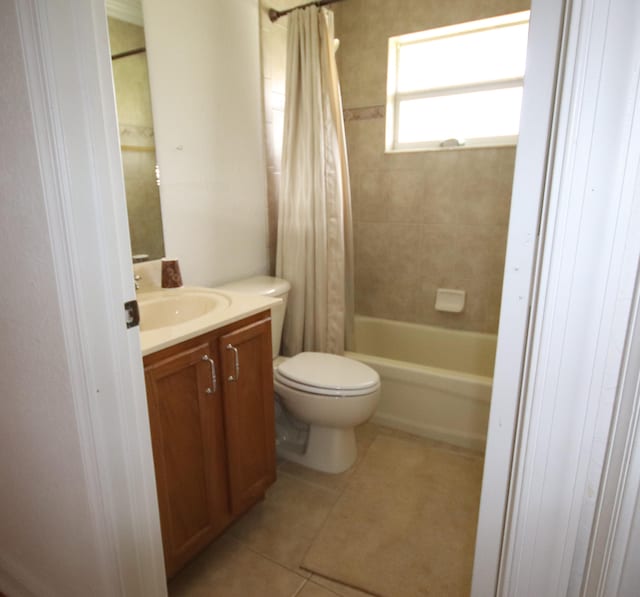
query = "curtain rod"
x=274 y=14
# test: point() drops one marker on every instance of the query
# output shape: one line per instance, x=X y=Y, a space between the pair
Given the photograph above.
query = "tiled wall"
x=422 y=220
x=274 y=62
x=137 y=140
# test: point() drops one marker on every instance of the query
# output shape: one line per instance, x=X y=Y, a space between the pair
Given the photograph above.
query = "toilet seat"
x=327 y=375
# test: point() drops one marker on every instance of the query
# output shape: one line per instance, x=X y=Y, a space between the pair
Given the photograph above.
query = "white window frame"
x=394 y=97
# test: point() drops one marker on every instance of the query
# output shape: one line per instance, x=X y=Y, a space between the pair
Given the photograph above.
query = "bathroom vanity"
x=210 y=399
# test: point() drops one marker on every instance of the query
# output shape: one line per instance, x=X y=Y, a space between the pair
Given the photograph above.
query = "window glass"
x=462 y=82
x=482 y=114
x=490 y=55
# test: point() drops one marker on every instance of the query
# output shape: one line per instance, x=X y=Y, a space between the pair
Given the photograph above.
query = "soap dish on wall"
x=451 y=301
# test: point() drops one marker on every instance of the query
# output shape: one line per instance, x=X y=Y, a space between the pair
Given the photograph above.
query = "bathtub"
x=435 y=382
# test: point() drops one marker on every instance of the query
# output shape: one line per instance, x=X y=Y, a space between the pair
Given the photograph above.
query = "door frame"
x=531 y=174
x=549 y=451
x=67 y=62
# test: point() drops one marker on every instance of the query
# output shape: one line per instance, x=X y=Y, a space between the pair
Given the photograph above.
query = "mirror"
x=137 y=145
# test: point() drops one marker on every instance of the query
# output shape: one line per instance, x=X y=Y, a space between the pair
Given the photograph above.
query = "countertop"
x=241 y=306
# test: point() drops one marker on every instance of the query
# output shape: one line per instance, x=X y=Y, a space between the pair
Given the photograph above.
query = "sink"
x=164 y=309
x=169 y=316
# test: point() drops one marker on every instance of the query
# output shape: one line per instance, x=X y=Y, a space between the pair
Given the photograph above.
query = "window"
x=459 y=85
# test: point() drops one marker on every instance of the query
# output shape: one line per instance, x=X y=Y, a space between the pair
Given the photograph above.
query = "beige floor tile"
x=311 y=589
x=432 y=443
x=229 y=569
x=261 y=553
x=365 y=434
x=336 y=587
x=283 y=526
x=331 y=482
x=405 y=525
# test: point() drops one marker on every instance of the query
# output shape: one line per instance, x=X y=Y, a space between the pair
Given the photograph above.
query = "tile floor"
x=260 y=554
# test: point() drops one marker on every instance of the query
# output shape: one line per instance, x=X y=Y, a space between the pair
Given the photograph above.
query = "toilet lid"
x=328 y=372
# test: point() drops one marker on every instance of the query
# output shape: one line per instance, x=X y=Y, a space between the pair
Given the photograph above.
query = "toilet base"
x=328 y=449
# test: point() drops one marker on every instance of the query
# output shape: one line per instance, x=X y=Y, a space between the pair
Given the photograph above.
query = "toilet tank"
x=266 y=286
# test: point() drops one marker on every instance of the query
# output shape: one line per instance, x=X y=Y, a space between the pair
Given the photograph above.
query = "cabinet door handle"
x=214 y=380
x=237 y=363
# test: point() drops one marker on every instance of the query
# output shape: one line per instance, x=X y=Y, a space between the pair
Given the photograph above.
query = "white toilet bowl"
x=332 y=394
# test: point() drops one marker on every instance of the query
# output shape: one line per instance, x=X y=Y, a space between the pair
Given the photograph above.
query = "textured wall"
x=422 y=220
x=273 y=37
x=131 y=79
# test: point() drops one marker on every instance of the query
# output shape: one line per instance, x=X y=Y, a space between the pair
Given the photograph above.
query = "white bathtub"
x=435 y=382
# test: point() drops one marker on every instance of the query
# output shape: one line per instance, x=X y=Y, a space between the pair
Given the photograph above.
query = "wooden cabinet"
x=249 y=419
x=212 y=429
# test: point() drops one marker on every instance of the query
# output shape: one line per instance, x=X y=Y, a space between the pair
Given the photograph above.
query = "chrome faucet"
x=137 y=278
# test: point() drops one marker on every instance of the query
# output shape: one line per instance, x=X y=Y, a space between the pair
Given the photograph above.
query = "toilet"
x=320 y=398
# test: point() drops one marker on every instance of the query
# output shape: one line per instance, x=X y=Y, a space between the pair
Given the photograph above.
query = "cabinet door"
x=248 y=412
x=185 y=415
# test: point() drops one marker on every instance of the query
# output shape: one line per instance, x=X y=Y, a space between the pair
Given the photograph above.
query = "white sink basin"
x=171 y=315
x=160 y=310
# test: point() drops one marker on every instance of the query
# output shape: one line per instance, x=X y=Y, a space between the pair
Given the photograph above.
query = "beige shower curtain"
x=315 y=246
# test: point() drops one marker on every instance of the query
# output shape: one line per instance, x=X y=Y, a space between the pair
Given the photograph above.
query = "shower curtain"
x=315 y=246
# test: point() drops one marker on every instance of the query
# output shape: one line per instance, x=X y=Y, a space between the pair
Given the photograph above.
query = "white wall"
x=43 y=497
x=204 y=69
